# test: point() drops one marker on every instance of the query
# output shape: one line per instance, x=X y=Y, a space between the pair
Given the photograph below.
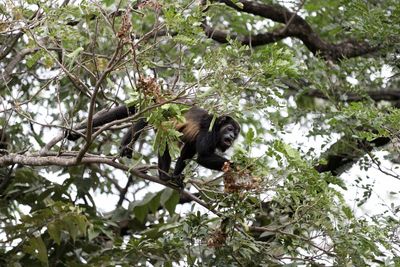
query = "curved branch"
x=295 y=26
x=386 y=94
x=16 y=59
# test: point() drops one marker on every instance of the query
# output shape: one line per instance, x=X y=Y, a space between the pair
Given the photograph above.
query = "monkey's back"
x=196 y=118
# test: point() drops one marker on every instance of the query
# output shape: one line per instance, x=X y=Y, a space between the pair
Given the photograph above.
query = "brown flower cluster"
x=149 y=4
x=217 y=239
x=237 y=179
x=151 y=88
x=124 y=31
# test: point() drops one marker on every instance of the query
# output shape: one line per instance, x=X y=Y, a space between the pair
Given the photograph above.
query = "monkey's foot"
x=175 y=180
x=126 y=152
x=164 y=177
x=178 y=180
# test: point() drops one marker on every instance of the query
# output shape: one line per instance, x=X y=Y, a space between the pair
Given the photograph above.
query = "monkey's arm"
x=187 y=152
x=206 y=156
x=113 y=114
x=212 y=161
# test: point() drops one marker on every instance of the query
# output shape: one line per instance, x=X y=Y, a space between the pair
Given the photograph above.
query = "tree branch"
x=69 y=160
x=391 y=94
x=297 y=28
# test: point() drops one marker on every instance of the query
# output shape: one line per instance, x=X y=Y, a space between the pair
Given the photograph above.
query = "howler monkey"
x=197 y=138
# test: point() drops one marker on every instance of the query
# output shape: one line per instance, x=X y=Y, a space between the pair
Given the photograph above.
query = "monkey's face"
x=228 y=134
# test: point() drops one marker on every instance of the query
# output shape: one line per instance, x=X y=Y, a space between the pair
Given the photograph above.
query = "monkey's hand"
x=125 y=151
x=176 y=180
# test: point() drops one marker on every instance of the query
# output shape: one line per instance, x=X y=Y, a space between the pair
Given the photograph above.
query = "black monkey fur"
x=3 y=140
x=196 y=136
x=102 y=118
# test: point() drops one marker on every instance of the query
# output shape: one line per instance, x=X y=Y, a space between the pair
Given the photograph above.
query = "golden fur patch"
x=189 y=129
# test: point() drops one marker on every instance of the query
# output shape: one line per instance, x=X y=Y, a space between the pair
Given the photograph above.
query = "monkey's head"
x=228 y=130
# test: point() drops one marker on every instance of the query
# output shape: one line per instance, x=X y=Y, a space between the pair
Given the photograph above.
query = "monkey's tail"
x=101 y=118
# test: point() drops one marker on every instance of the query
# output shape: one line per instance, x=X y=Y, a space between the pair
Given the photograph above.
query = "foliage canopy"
x=314 y=85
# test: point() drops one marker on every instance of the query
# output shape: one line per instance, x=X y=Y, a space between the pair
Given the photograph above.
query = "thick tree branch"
x=17 y=58
x=9 y=45
x=295 y=26
x=51 y=159
x=392 y=94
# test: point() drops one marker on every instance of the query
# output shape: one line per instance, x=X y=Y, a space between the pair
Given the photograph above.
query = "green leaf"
x=154 y=202
x=140 y=212
x=108 y=2
x=92 y=233
x=82 y=223
x=71 y=227
x=347 y=211
x=54 y=230
x=33 y=59
x=74 y=54
x=291 y=152
x=250 y=135
x=165 y=195
x=38 y=249
x=172 y=201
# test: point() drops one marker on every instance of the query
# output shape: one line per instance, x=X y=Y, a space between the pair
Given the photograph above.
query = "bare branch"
x=89 y=127
x=69 y=160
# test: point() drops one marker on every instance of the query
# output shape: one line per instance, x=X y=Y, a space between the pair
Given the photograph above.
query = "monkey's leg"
x=164 y=163
x=129 y=139
x=187 y=152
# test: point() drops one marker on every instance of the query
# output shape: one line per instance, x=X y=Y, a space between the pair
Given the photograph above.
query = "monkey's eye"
x=229 y=128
